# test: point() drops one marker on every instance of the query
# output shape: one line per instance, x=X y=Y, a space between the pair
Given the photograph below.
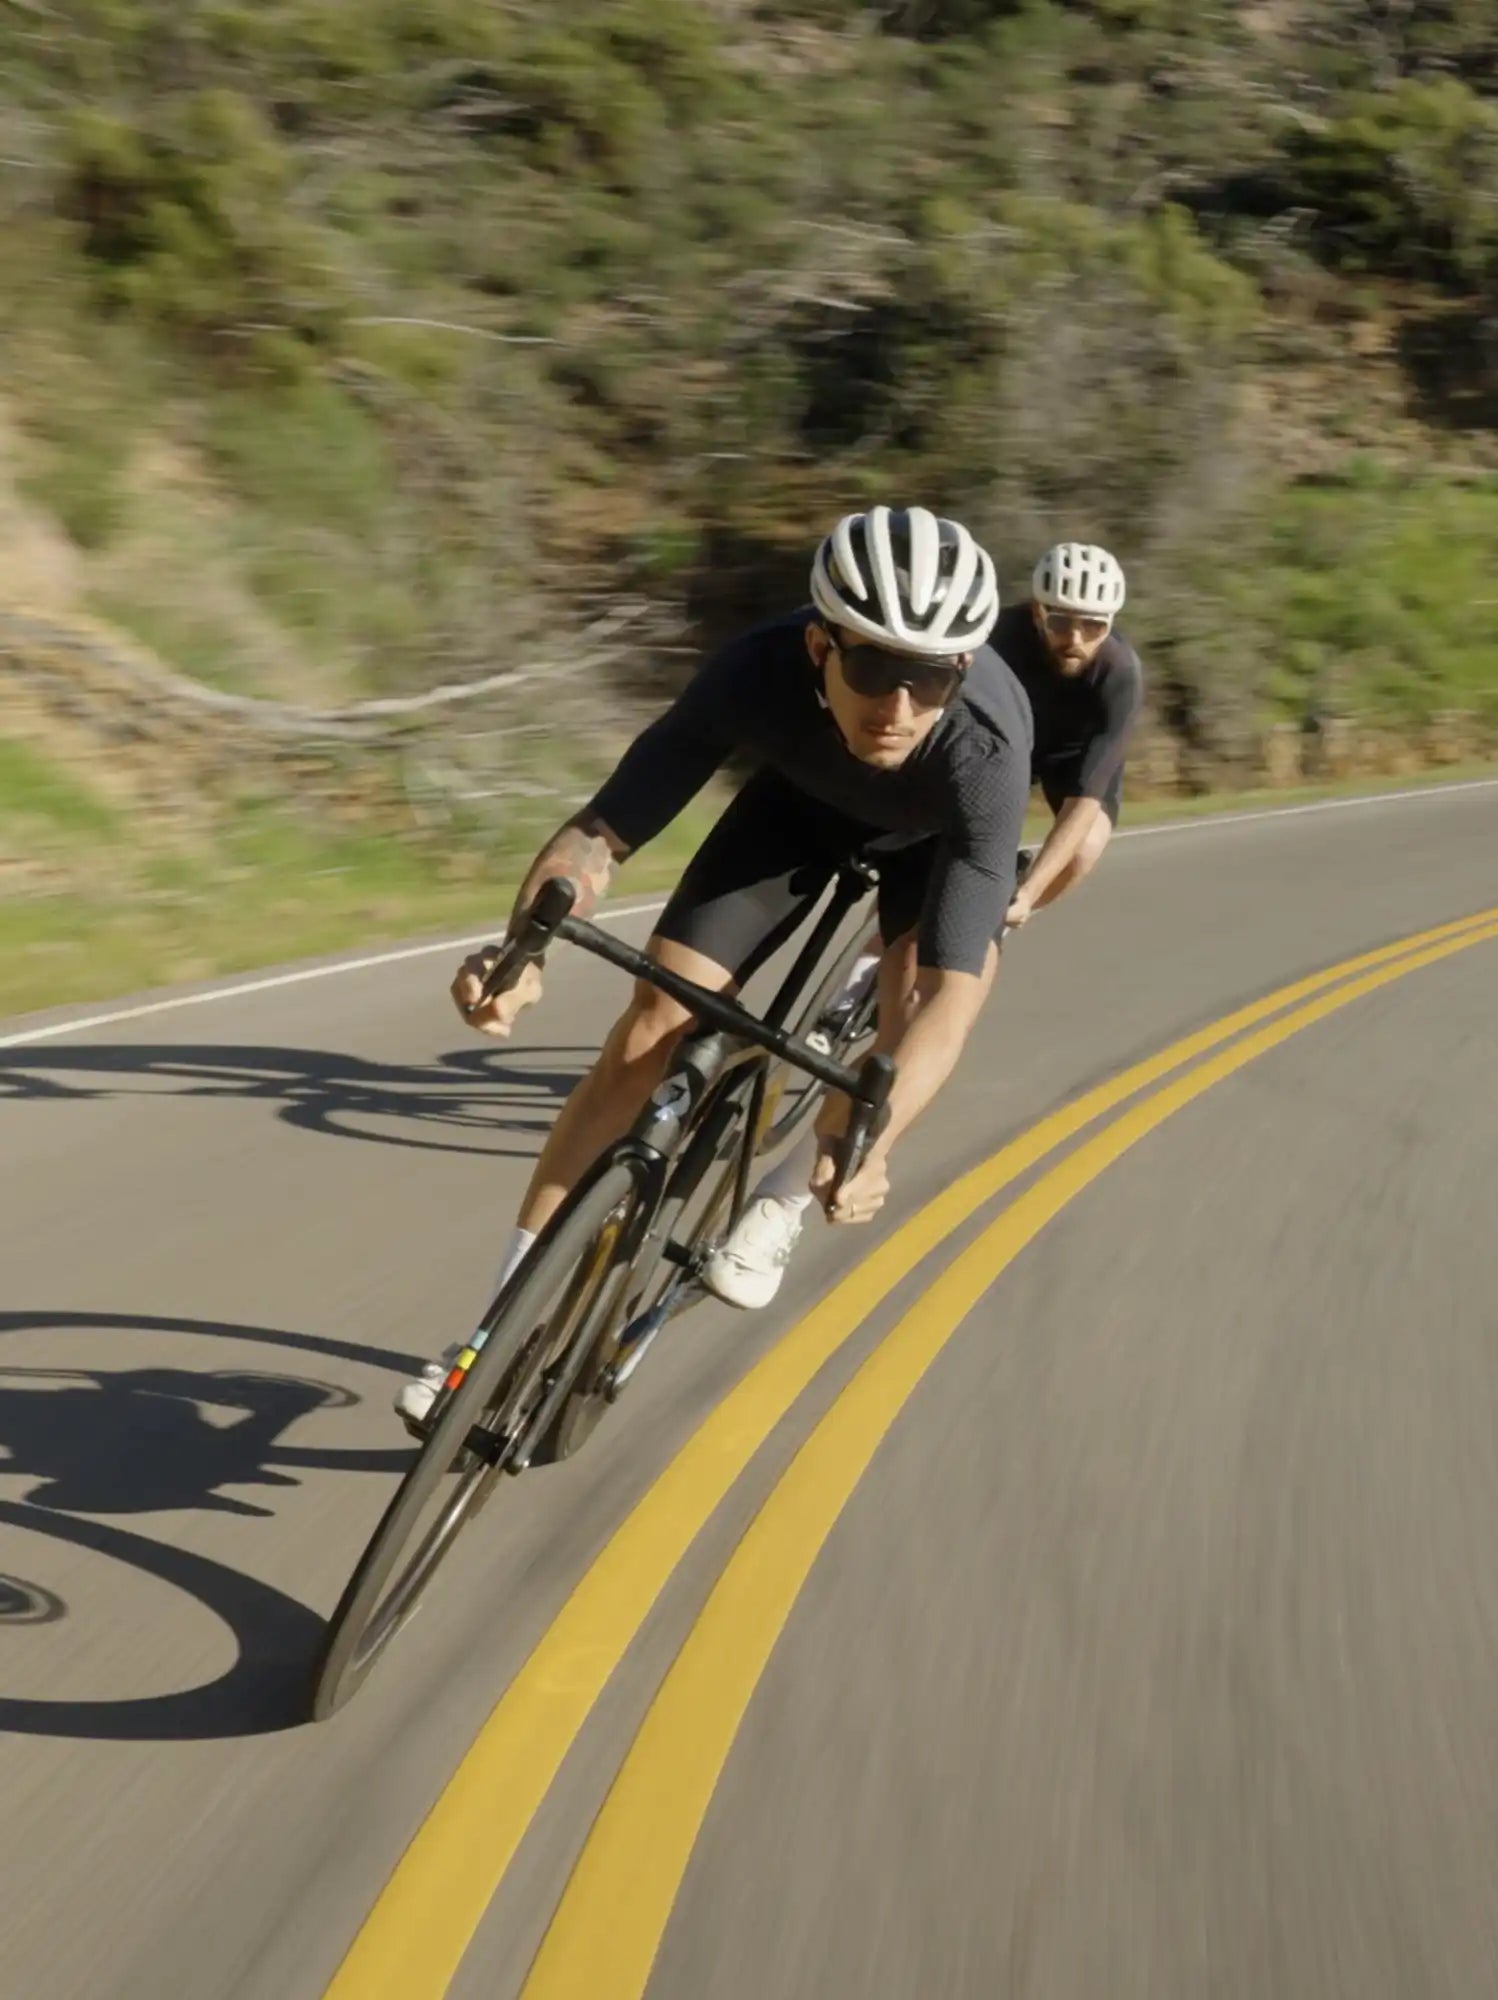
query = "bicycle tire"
x=798 y=1093
x=367 y=1617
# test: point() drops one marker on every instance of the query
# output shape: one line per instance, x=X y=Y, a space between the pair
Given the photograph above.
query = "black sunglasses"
x=874 y=673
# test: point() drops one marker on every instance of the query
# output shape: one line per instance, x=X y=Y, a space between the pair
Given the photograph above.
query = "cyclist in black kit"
x=1085 y=685
x=876 y=718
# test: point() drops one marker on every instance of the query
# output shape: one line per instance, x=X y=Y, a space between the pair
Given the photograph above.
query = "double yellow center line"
x=604 y=1935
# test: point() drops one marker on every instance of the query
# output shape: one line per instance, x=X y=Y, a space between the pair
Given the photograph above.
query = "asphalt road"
x=1155 y=1654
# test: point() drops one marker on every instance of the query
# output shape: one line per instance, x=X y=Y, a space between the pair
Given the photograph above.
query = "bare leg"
x=603 y=1105
x=789 y=1180
x=897 y=970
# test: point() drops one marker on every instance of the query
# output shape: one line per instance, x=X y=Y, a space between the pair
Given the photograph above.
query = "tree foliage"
x=476 y=312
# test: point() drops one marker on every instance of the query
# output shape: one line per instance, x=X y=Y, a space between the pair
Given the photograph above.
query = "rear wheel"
x=539 y=1331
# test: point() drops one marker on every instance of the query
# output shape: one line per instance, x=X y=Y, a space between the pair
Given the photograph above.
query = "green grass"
x=39 y=800
x=197 y=638
x=1381 y=597
x=272 y=891
x=74 y=464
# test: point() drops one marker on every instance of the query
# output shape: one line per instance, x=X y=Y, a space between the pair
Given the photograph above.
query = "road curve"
x=1153 y=1653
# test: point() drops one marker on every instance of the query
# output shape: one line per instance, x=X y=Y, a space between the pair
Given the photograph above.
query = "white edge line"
x=1204 y=823
x=54 y=1029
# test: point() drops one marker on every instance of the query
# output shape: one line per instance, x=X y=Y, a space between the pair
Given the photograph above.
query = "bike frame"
x=711 y=1053
x=728 y=1040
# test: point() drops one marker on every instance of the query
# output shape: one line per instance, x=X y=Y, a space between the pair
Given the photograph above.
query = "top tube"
x=549 y=918
x=718 y=1010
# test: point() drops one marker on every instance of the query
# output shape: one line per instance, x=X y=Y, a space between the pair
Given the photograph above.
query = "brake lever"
x=529 y=946
x=866 y=1120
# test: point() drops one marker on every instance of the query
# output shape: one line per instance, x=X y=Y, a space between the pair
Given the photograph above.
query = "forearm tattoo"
x=586 y=853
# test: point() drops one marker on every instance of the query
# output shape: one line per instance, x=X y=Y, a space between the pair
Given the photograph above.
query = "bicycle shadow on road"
x=263 y=1691
x=484 y=1093
x=160 y=1439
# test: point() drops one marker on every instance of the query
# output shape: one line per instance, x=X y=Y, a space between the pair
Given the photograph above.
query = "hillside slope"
x=349 y=352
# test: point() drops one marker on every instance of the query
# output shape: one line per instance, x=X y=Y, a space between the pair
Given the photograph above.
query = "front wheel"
x=541 y=1323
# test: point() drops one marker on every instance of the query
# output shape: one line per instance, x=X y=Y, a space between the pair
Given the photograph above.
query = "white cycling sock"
x=786 y=1182
x=519 y=1243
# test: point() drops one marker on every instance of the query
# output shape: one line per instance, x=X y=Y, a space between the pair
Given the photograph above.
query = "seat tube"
x=851 y=885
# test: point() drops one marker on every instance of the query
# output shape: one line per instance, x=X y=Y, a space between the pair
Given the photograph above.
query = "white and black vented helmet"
x=909 y=580
x=1075 y=576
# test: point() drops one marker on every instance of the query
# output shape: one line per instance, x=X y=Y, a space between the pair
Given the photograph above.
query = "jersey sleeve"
x=972 y=877
x=669 y=762
x=1102 y=759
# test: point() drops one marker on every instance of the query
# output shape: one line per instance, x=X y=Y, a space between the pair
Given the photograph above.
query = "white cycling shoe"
x=746 y=1268
x=414 y=1399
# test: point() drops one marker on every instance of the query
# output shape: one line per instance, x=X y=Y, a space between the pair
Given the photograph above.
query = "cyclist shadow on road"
x=486 y=1101
x=148 y=1440
x=100 y=1442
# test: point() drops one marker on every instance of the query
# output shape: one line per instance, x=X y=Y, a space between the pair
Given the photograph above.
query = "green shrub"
x=188 y=223
x=1405 y=181
x=437 y=296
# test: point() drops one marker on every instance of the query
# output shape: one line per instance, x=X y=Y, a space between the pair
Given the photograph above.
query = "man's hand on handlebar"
x=863 y=1194
x=498 y=1014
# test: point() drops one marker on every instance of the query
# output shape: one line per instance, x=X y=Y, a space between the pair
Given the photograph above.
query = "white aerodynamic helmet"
x=908 y=580
x=1075 y=576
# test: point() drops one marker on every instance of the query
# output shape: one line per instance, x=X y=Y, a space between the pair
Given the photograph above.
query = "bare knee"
x=646 y=1034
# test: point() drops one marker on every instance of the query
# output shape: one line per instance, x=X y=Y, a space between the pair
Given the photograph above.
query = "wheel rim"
x=404 y=1594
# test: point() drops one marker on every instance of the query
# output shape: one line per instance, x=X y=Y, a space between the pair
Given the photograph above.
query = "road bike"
x=619 y=1260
